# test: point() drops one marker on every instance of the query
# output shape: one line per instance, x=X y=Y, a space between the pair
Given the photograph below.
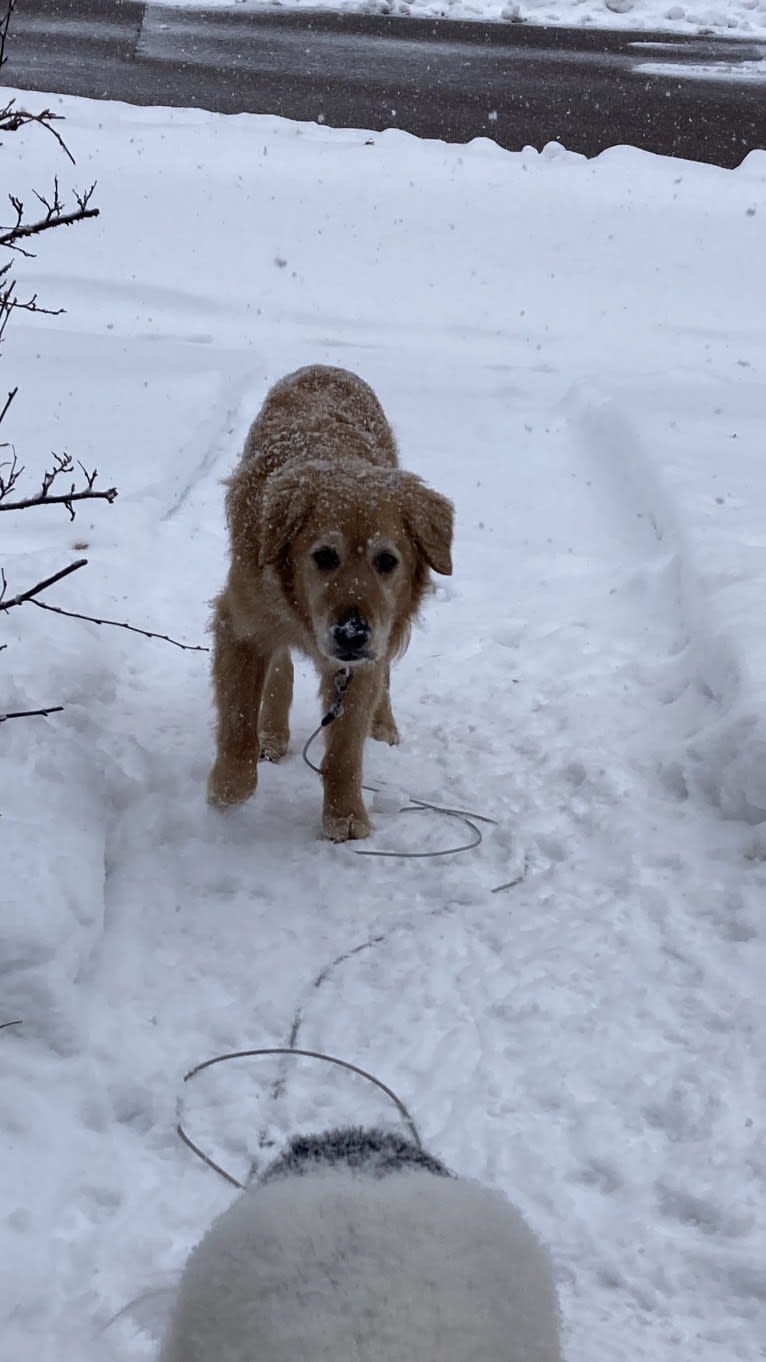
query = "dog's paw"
x=229 y=784
x=347 y=827
x=273 y=746
x=385 y=730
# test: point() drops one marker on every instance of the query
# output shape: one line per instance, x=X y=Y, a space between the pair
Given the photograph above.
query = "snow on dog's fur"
x=357 y=1247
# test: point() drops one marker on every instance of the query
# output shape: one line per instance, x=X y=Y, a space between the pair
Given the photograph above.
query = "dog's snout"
x=351 y=635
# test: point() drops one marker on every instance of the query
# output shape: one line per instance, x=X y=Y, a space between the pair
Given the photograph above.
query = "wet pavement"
x=703 y=98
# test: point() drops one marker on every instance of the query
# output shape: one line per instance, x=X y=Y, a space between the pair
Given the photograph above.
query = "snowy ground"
x=573 y=351
x=730 y=18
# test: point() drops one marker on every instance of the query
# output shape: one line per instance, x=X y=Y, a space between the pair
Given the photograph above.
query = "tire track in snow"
x=720 y=739
x=216 y=438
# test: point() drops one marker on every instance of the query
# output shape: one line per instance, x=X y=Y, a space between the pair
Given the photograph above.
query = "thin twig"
x=12 y=119
x=31 y=714
x=8 y=481
x=4 y=22
x=62 y=463
x=9 y=304
x=120 y=624
x=64 y=499
x=7 y=403
x=518 y=879
x=55 y=218
x=35 y=590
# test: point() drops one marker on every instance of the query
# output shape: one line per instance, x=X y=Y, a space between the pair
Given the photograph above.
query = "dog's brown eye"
x=386 y=562
x=325 y=558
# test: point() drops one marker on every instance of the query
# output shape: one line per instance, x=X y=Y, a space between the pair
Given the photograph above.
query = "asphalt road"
x=701 y=98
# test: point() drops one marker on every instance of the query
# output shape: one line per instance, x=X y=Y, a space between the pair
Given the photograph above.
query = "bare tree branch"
x=4 y=22
x=63 y=463
x=12 y=119
x=10 y=303
x=8 y=480
x=54 y=217
x=30 y=714
x=118 y=624
x=35 y=590
x=6 y=405
x=56 y=213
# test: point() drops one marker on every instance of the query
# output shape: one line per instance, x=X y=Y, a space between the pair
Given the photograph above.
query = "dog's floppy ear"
x=285 y=507
x=429 y=518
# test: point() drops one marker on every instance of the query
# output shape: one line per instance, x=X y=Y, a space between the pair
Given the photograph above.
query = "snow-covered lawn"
x=573 y=351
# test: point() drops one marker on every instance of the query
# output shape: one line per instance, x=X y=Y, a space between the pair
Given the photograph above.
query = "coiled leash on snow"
x=343 y=678
x=283 y=1050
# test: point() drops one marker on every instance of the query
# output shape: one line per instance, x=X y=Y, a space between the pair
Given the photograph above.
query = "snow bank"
x=730 y=18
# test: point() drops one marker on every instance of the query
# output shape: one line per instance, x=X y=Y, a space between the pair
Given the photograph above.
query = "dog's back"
x=320 y=413
x=338 y=1266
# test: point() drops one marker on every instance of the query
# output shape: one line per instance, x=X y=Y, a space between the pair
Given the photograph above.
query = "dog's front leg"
x=345 y=817
x=239 y=673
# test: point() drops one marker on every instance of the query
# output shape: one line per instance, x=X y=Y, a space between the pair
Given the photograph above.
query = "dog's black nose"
x=351 y=635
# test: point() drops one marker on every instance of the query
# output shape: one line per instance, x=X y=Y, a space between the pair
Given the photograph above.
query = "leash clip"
x=343 y=678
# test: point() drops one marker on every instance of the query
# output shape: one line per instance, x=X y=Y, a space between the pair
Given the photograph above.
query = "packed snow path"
x=567 y=349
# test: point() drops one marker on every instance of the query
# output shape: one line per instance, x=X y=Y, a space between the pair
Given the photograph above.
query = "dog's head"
x=353 y=548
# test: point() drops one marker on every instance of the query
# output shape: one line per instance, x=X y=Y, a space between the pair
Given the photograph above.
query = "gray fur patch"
x=366 y=1150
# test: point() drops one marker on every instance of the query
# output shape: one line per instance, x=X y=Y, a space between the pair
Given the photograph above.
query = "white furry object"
x=336 y=1266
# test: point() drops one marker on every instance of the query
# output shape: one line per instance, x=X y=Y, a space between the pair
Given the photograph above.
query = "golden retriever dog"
x=331 y=546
